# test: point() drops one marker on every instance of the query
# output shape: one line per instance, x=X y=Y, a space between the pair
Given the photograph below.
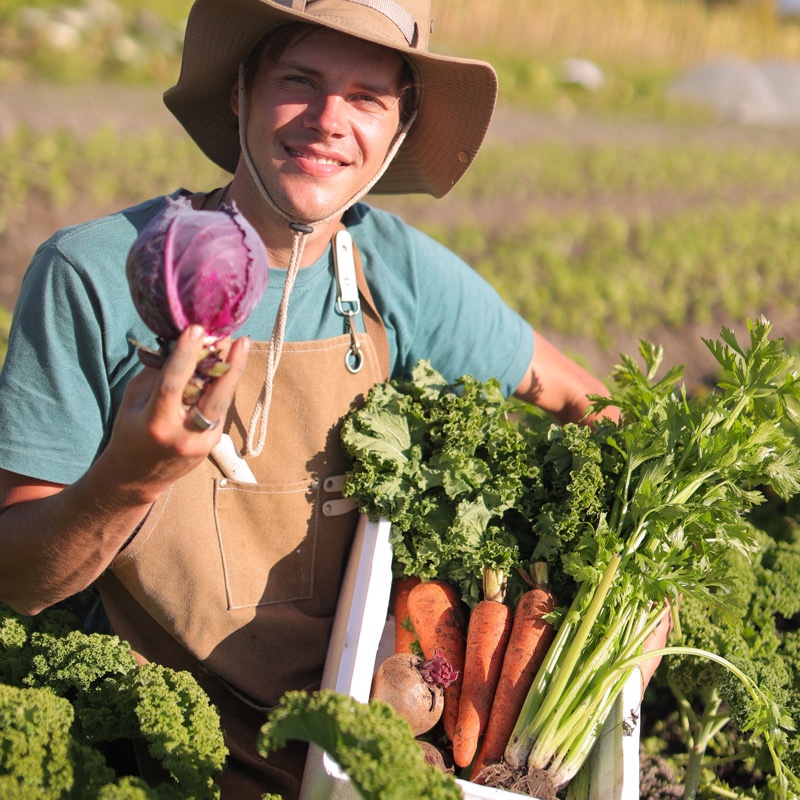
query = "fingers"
x=166 y=400
x=154 y=441
x=218 y=395
x=180 y=367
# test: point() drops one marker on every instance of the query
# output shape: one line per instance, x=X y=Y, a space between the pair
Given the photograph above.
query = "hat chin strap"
x=257 y=430
x=256 y=178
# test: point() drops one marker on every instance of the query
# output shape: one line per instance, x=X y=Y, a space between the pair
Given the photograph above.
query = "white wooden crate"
x=360 y=640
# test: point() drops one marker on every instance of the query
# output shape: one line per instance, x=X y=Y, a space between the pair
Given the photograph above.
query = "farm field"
x=601 y=229
x=604 y=215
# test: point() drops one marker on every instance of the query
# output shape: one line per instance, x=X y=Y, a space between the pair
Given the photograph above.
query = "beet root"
x=400 y=681
x=435 y=757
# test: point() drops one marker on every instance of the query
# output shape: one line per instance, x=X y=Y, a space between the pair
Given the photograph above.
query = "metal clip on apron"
x=348 y=303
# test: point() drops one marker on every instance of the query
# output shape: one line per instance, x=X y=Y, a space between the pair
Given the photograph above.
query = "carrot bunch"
x=496 y=655
x=530 y=639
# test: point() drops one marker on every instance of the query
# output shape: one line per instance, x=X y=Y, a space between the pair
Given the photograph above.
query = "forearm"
x=557 y=384
x=57 y=542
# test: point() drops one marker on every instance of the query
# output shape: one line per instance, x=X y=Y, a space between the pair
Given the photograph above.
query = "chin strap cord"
x=257 y=430
x=258 y=420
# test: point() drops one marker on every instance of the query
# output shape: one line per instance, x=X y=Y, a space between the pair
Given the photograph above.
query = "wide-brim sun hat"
x=455 y=96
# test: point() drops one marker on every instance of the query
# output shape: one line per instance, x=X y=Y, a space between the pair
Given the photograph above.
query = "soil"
x=82 y=109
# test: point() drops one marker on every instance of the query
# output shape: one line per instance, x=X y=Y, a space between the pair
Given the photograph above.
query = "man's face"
x=321 y=119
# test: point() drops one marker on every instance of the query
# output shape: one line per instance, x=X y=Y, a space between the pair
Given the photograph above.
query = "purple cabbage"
x=196 y=267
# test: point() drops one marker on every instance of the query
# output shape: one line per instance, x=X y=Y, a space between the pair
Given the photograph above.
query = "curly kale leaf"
x=35 y=743
x=180 y=726
x=106 y=698
x=578 y=472
x=373 y=745
x=451 y=469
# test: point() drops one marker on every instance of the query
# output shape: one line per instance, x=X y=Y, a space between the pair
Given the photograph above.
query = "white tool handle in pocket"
x=230 y=461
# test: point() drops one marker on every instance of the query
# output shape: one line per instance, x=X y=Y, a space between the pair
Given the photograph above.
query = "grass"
x=620 y=33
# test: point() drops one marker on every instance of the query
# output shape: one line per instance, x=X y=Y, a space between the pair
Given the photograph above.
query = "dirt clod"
x=533 y=783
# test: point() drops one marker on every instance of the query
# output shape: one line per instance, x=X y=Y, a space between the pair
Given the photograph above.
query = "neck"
x=274 y=228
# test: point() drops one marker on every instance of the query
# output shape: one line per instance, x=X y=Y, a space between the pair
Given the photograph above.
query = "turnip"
x=414 y=688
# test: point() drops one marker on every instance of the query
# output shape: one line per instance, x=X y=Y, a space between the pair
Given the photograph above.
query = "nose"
x=327 y=114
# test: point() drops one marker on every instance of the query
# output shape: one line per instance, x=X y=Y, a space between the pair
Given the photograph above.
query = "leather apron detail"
x=242 y=579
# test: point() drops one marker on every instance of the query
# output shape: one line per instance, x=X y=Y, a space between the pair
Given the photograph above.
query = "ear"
x=234 y=98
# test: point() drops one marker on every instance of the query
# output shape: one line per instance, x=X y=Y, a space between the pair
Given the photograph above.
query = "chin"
x=310 y=213
x=306 y=205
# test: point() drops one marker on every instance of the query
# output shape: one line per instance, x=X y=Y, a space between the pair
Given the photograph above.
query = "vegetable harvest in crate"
x=624 y=518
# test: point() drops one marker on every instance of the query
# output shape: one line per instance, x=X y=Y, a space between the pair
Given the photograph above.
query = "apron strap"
x=372 y=319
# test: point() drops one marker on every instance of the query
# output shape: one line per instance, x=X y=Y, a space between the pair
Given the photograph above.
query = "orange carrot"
x=487 y=636
x=434 y=608
x=403 y=636
x=530 y=639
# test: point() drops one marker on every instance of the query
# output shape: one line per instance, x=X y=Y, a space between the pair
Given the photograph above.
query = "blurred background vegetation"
x=596 y=239
x=640 y=43
x=637 y=40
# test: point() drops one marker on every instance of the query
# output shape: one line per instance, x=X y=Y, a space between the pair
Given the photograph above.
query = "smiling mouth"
x=315 y=159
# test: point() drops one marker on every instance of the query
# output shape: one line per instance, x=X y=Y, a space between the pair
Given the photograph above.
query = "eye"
x=374 y=102
x=295 y=81
x=367 y=100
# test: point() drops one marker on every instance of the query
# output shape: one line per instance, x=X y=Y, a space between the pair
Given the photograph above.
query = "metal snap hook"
x=354 y=359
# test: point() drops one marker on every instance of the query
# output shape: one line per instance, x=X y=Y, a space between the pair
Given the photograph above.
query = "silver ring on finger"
x=201 y=420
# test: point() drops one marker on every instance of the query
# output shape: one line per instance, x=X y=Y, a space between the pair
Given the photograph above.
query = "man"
x=105 y=477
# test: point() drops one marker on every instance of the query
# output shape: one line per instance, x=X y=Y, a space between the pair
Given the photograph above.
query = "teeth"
x=318 y=160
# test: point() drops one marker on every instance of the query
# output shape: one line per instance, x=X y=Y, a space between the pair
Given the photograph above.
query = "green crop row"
x=596 y=275
x=57 y=167
x=598 y=239
x=594 y=171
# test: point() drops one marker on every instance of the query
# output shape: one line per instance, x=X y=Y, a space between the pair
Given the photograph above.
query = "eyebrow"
x=371 y=88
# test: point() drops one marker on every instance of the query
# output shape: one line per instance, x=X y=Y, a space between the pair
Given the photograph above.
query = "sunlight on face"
x=322 y=116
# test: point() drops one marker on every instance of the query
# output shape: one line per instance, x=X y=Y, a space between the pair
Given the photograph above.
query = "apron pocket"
x=277 y=564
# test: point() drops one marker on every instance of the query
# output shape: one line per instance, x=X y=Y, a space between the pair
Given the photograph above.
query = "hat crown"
x=403 y=24
x=454 y=104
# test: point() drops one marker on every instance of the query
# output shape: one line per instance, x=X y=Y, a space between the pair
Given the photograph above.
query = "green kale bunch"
x=67 y=696
x=372 y=744
x=453 y=469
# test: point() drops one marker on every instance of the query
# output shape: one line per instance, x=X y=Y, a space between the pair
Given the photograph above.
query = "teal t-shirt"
x=69 y=358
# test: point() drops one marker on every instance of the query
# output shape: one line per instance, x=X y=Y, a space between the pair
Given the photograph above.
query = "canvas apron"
x=238 y=582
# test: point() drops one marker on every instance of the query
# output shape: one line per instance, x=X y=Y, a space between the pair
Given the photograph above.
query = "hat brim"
x=455 y=103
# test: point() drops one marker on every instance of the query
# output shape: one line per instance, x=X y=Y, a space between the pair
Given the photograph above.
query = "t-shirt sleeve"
x=439 y=309
x=55 y=400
